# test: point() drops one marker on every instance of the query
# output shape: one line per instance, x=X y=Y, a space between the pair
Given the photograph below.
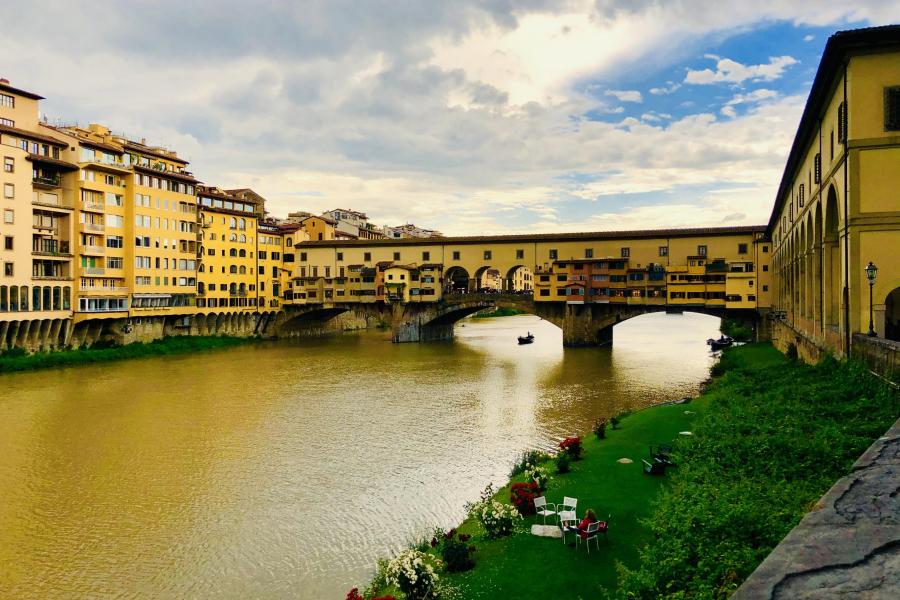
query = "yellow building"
x=319 y=228
x=36 y=250
x=837 y=207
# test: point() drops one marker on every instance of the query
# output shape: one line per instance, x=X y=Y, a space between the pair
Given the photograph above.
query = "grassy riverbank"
x=770 y=436
x=18 y=360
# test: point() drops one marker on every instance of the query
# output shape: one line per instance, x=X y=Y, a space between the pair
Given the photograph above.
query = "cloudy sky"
x=492 y=116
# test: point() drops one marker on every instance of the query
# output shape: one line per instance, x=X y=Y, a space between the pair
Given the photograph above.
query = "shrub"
x=538 y=475
x=737 y=330
x=454 y=552
x=562 y=462
x=614 y=421
x=497 y=519
x=600 y=429
x=526 y=460
x=413 y=574
x=572 y=446
x=522 y=496
x=354 y=594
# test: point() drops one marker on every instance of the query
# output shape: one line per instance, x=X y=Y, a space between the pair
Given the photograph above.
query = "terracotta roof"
x=52 y=161
x=33 y=136
x=99 y=145
x=142 y=149
x=172 y=174
x=545 y=237
x=5 y=87
x=328 y=220
x=838 y=47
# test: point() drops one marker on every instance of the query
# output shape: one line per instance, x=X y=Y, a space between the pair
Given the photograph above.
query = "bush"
x=412 y=573
x=772 y=440
x=562 y=462
x=526 y=460
x=522 y=496
x=538 y=475
x=497 y=519
x=572 y=446
x=600 y=429
x=735 y=329
x=457 y=556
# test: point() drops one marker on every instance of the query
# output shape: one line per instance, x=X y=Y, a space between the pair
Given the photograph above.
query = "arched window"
x=242 y=237
x=232 y=252
x=289 y=242
x=36 y=298
x=242 y=253
x=232 y=269
x=202 y=268
x=233 y=223
x=242 y=271
x=243 y=223
x=232 y=237
x=14 y=298
x=23 y=305
x=232 y=288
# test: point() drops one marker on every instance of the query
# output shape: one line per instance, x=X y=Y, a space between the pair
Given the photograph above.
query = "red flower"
x=434 y=542
x=464 y=537
x=354 y=594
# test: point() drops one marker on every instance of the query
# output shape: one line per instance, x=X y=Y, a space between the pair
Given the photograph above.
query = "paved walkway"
x=848 y=546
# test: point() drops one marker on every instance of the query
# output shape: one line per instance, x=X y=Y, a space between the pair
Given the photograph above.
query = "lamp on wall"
x=871 y=272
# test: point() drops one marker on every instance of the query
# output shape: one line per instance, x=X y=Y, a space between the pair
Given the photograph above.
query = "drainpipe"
x=846 y=220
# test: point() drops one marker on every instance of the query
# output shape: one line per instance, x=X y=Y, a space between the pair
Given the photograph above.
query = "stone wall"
x=809 y=351
x=882 y=356
x=848 y=545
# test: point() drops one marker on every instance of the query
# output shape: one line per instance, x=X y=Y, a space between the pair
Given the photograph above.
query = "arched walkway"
x=892 y=315
x=456 y=280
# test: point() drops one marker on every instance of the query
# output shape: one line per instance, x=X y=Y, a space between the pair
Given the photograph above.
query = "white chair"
x=543 y=508
x=591 y=533
x=567 y=504
x=567 y=519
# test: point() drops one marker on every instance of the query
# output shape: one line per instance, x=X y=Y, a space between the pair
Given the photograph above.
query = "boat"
x=527 y=339
x=723 y=342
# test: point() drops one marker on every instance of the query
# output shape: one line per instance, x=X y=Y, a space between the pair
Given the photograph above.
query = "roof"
x=837 y=49
x=33 y=136
x=328 y=220
x=142 y=149
x=5 y=87
x=172 y=174
x=544 y=237
x=52 y=161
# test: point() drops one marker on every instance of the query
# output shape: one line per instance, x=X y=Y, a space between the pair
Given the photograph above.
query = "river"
x=284 y=469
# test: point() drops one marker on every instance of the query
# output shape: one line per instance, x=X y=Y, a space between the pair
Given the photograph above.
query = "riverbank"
x=18 y=360
x=769 y=437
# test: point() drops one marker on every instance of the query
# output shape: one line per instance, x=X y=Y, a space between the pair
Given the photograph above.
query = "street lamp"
x=871 y=272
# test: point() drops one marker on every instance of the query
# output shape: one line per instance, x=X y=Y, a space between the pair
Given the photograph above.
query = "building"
x=409 y=231
x=320 y=228
x=351 y=224
x=837 y=208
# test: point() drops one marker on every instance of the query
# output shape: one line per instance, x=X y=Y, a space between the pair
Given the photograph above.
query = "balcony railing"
x=91 y=205
x=46 y=181
x=238 y=294
x=93 y=226
x=103 y=289
x=93 y=270
x=92 y=249
x=51 y=277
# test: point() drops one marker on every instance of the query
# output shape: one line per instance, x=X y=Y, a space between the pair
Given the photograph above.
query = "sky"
x=471 y=117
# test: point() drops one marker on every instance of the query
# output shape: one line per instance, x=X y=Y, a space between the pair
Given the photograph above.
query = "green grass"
x=545 y=568
x=737 y=330
x=18 y=360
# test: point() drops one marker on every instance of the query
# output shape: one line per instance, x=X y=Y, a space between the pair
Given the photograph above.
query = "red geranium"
x=522 y=496
x=354 y=594
x=571 y=445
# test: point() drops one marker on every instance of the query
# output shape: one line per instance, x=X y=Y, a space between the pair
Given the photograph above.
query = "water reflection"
x=283 y=469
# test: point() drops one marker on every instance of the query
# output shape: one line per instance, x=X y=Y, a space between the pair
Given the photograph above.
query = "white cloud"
x=669 y=88
x=808 y=38
x=758 y=95
x=626 y=95
x=730 y=71
x=728 y=111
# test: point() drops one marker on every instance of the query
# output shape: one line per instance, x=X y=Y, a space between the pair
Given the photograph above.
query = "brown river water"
x=285 y=469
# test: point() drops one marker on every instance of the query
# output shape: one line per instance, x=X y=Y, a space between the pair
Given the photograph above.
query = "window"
x=7 y=100
x=765 y=267
x=340 y=256
x=892 y=108
x=487 y=255
x=520 y=254
x=7 y=243
x=625 y=252
x=9 y=164
x=396 y=256
x=8 y=269
x=303 y=256
x=545 y=292
x=765 y=288
x=842 y=123
x=456 y=255
x=10 y=123
x=367 y=256
x=831 y=146
x=742 y=248
x=663 y=250
x=9 y=190
x=701 y=250
x=426 y=256
x=817 y=168
x=801 y=193
x=765 y=249
x=114 y=241
x=589 y=253
x=554 y=254
x=8 y=216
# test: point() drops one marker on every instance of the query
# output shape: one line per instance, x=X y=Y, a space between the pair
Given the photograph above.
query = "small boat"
x=723 y=342
x=526 y=339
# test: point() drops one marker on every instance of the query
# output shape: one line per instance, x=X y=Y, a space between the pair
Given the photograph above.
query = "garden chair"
x=662 y=453
x=567 y=519
x=545 y=509
x=592 y=533
x=657 y=467
x=567 y=504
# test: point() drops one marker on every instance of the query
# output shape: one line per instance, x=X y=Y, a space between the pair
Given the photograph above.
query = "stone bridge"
x=588 y=324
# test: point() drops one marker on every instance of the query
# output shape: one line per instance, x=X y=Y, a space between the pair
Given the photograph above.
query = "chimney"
x=4 y=80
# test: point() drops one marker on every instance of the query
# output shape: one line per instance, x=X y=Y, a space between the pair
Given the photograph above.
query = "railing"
x=46 y=277
x=92 y=249
x=93 y=226
x=93 y=270
x=103 y=289
x=238 y=294
x=49 y=228
x=91 y=205
x=46 y=181
x=54 y=204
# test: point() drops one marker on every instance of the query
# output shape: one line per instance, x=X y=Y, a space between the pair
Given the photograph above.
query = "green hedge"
x=775 y=437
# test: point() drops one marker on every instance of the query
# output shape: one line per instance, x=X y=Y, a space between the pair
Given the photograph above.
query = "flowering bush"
x=539 y=475
x=498 y=519
x=412 y=572
x=454 y=552
x=600 y=429
x=526 y=459
x=562 y=462
x=572 y=446
x=354 y=594
x=522 y=496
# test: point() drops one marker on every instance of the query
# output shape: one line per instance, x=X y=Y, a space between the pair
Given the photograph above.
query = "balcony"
x=92 y=206
x=50 y=277
x=238 y=294
x=51 y=201
x=47 y=182
x=93 y=271
x=97 y=227
x=88 y=289
x=92 y=250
